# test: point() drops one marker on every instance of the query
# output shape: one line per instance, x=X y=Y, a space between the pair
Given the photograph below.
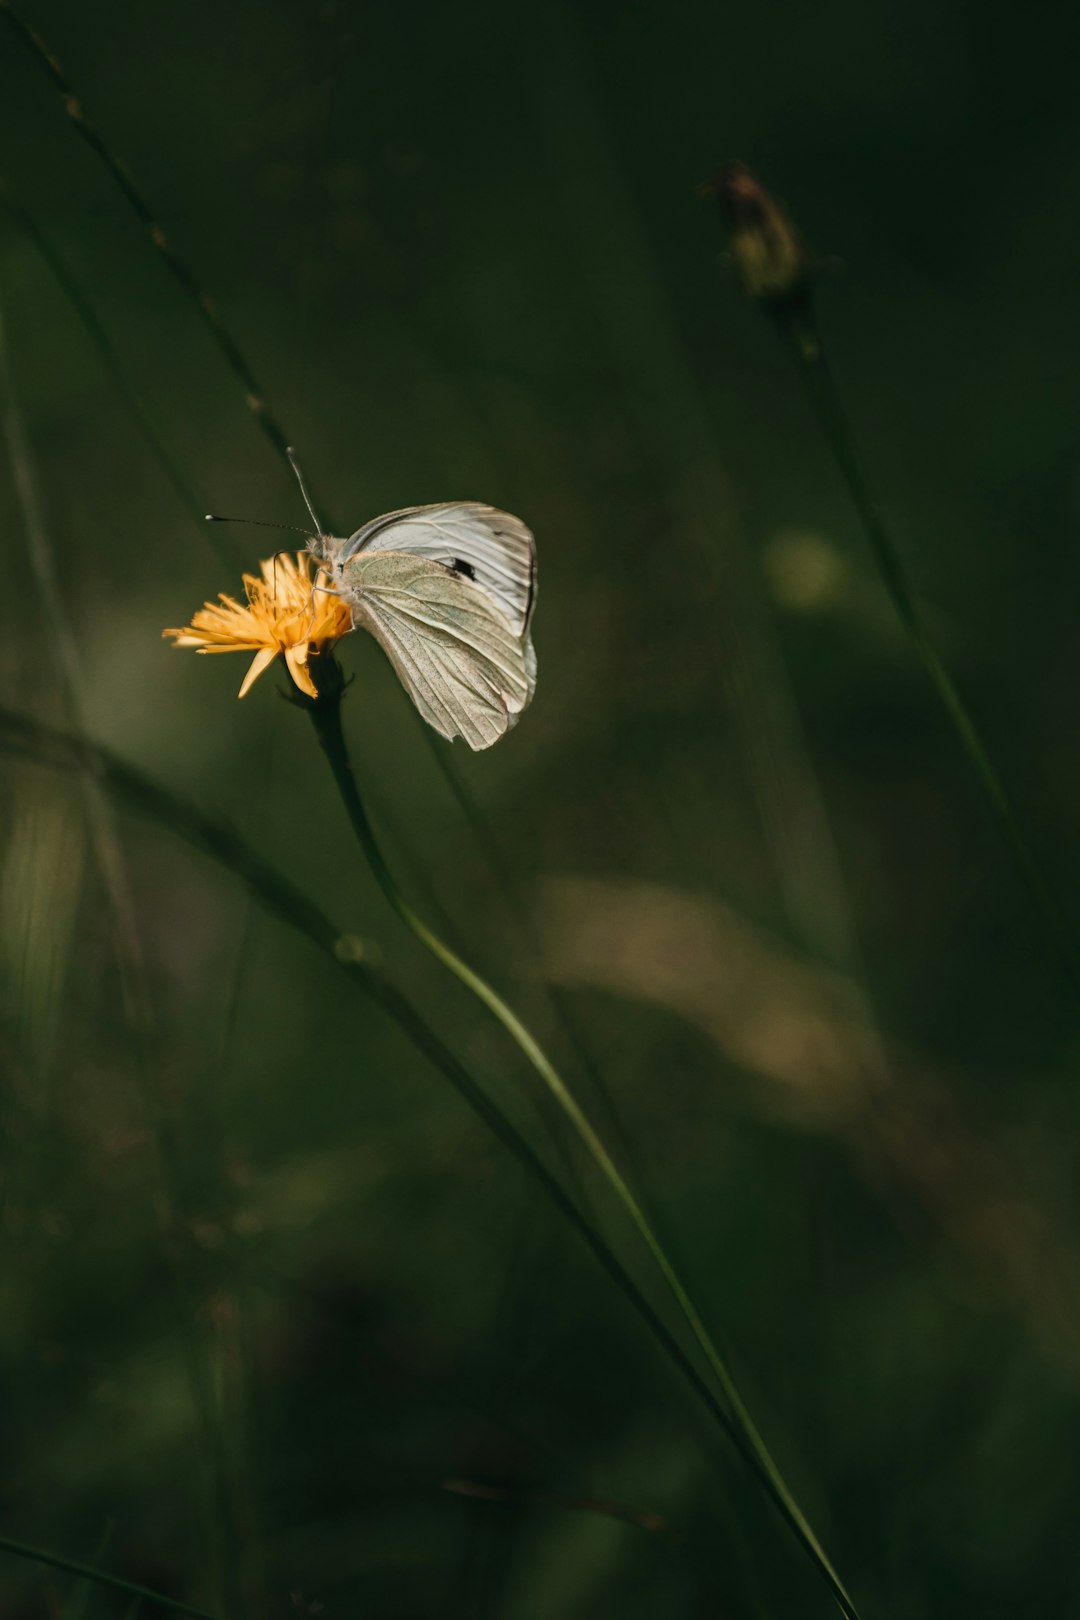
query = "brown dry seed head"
x=774 y=264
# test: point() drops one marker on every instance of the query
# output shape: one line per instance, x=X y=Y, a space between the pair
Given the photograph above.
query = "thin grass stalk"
x=326 y=718
x=778 y=273
x=280 y=897
x=801 y=337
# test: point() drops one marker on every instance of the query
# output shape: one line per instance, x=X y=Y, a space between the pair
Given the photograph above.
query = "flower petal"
x=260 y=662
x=283 y=612
x=296 y=658
x=183 y=638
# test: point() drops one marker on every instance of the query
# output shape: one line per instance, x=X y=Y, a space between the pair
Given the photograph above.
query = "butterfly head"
x=327 y=551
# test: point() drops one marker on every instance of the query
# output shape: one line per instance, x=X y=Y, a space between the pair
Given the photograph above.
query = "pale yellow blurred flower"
x=283 y=617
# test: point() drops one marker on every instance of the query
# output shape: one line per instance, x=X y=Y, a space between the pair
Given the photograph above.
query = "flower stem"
x=280 y=898
x=326 y=718
x=801 y=336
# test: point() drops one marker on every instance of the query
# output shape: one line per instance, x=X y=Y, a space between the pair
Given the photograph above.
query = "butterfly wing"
x=461 y=660
x=493 y=549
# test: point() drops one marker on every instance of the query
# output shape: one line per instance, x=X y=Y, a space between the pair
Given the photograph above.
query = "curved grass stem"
x=326 y=718
x=279 y=897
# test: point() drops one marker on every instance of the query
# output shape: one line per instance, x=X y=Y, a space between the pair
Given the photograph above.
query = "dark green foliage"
x=284 y=1328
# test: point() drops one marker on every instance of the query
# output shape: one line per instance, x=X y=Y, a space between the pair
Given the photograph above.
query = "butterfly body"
x=448 y=591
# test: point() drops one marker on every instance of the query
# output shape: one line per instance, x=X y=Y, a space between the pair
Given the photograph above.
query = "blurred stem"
x=801 y=337
x=278 y=896
x=70 y=1566
x=326 y=718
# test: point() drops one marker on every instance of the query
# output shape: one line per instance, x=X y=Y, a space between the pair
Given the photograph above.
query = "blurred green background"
x=358 y=1366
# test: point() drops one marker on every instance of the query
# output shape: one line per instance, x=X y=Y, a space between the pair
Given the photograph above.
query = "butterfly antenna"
x=259 y=523
x=295 y=465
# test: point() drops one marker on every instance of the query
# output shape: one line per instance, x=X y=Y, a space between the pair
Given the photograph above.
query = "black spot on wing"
x=460 y=566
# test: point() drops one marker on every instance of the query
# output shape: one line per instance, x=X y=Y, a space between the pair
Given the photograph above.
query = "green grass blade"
x=281 y=898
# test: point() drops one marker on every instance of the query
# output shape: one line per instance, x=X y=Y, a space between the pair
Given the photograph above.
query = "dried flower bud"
x=767 y=250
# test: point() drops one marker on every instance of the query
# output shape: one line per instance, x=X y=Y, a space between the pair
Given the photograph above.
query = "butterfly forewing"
x=463 y=662
x=493 y=549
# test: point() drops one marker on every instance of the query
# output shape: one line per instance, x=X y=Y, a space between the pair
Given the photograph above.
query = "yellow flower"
x=282 y=617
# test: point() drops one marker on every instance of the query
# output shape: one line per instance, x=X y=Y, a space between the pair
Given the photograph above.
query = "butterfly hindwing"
x=463 y=662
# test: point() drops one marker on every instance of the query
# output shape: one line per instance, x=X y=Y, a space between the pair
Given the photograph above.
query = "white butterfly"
x=448 y=591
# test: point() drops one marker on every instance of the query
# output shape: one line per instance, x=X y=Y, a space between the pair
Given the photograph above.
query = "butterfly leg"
x=325 y=590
